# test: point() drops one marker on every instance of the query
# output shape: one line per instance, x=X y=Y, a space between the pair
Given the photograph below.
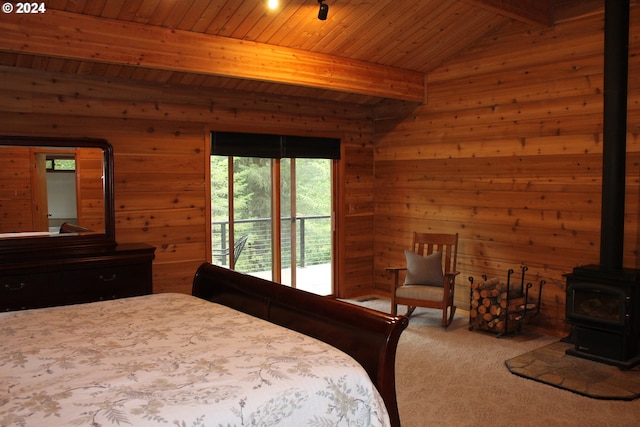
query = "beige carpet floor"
x=458 y=377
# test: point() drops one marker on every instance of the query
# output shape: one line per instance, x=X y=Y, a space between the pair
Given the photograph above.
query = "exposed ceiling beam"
x=87 y=38
x=569 y=9
x=536 y=12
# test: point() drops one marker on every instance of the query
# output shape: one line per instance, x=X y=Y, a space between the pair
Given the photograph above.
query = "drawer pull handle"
x=108 y=279
x=14 y=286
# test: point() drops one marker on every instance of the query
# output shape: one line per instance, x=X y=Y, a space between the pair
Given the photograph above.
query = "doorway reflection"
x=61 y=191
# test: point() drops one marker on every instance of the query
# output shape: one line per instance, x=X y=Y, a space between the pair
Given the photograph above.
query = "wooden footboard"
x=369 y=336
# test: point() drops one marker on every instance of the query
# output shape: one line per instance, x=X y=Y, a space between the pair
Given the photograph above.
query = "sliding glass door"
x=306 y=225
x=278 y=213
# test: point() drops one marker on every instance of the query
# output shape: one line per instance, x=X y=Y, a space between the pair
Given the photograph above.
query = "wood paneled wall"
x=507 y=153
x=160 y=139
x=89 y=189
x=15 y=190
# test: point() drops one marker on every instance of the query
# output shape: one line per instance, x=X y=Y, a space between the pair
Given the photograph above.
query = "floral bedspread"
x=175 y=360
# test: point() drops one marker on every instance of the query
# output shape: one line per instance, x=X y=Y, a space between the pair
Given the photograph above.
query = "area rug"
x=550 y=365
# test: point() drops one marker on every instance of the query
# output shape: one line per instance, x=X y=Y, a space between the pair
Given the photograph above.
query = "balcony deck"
x=312 y=278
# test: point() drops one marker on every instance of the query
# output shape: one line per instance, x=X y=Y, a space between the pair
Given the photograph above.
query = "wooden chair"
x=417 y=290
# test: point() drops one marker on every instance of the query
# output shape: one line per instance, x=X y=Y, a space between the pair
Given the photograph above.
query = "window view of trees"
x=252 y=192
x=57 y=164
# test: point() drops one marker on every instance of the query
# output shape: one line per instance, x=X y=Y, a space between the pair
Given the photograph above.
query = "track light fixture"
x=324 y=10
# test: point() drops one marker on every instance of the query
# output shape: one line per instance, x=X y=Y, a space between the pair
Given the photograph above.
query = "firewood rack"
x=501 y=307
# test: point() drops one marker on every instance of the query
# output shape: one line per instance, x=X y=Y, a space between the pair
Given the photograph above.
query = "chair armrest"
x=396 y=275
x=449 y=279
x=395 y=268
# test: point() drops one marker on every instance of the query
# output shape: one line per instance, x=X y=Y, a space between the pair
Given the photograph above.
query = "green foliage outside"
x=252 y=208
x=61 y=164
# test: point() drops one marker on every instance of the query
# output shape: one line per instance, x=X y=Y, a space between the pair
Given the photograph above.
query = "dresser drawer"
x=76 y=277
x=104 y=282
x=21 y=291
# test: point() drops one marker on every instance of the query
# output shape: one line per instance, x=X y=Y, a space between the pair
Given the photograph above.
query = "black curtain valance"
x=270 y=146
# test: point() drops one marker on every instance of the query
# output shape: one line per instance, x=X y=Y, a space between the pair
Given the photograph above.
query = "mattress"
x=173 y=359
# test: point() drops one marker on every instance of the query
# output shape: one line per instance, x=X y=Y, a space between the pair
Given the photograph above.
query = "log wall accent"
x=160 y=139
x=507 y=153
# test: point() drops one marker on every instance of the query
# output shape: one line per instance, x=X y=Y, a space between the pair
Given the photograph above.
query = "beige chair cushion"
x=424 y=270
x=429 y=293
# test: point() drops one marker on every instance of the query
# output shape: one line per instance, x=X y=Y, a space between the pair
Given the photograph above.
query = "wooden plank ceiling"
x=367 y=51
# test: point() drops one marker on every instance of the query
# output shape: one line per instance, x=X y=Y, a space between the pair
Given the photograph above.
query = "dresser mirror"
x=55 y=193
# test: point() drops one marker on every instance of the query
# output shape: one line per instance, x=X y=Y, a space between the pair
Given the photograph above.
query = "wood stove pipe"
x=616 y=48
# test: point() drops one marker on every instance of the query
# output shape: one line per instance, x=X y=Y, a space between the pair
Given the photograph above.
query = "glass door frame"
x=276 y=225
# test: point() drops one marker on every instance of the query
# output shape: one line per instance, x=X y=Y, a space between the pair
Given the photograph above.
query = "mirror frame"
x=12 y=248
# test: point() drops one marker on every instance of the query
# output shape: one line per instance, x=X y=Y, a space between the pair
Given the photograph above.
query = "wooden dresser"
x=82 y=261
x=46 y=281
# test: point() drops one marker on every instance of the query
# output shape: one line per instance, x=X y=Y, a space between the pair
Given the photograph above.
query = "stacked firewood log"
x=495 y=308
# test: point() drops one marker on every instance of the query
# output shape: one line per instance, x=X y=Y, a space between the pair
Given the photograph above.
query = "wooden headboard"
x=369 y=336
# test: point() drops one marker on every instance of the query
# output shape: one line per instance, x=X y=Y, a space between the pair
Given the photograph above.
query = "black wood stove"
x=603 y=308
x=603 y=301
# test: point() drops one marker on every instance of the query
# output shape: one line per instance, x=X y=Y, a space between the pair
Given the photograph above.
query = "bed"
x=218 y=357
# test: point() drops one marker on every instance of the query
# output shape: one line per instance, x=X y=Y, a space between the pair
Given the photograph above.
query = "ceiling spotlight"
x=324 y=10
x=272 y=4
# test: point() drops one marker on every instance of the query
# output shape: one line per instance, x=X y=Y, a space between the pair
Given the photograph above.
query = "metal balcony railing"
x=313 y=245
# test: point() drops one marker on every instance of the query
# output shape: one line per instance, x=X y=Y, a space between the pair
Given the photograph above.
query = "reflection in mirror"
x=51 y=186
x=48 y=182
x=61 y=190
